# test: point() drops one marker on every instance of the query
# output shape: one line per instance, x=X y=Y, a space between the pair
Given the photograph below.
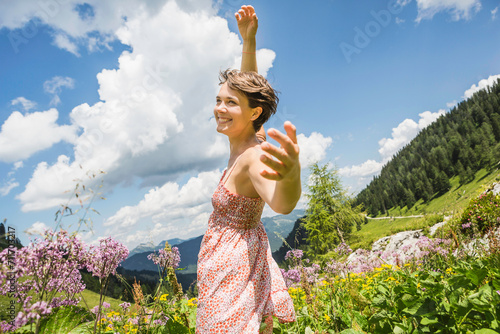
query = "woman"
x=239 y=283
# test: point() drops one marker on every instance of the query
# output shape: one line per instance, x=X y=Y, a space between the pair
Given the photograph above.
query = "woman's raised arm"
x=247 y=25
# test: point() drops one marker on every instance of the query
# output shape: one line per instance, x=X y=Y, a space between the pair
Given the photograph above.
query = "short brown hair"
x=257 y=90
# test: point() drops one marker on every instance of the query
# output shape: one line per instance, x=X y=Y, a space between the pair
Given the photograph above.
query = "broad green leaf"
x=409 y=300
x=429 y=321
x=350 y=331
x=379 y=301
x=477 y=275
x=400 y=329
x=422 y=308
x=64 y=319
x=485 y=331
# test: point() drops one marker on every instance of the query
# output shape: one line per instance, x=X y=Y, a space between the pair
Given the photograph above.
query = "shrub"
x=483 y=213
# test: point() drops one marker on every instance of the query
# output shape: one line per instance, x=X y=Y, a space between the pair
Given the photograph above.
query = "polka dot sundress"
x=239 y=282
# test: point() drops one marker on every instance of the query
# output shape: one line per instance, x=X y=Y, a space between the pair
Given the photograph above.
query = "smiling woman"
x=239 y=282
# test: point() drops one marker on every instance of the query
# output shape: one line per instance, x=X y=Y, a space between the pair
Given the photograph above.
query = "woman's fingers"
x=287 y=143
x=271 y=176
x=291 y=131
x=276 y=165
x=276 y=152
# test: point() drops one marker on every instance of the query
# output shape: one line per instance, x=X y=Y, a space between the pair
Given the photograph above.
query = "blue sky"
x=128 y=87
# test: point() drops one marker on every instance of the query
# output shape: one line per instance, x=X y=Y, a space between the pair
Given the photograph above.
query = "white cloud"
x=401 y=135
x=451 y=104
x=483 y=84
x=167 y=211
x=38 y=228
x=458 y=9
x=81 y=30
x=494 y=13
x=25 y=103
x=63 y=42
x=312 y=148
x=8 y=186
x=18 y=164
x=23 y=135
x=368 y=167
x=155 y=120
x=55 y=85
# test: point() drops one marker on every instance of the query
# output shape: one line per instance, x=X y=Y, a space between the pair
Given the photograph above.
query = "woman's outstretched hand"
x=287 y=165
x=247 y=22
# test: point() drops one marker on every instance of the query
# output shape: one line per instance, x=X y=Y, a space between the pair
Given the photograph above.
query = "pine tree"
x=330 y=214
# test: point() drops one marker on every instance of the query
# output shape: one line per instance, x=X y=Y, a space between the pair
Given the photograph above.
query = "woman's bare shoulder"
x=252 y=155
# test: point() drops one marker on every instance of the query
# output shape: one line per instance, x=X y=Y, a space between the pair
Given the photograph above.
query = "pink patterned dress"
x=239 y=282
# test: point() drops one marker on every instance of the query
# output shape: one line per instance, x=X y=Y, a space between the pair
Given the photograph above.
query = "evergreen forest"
x=459 y=143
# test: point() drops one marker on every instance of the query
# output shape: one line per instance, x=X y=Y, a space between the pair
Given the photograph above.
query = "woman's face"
x=232 y=112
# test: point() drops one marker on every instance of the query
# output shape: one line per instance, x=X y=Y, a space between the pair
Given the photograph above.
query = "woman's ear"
x=256 y=113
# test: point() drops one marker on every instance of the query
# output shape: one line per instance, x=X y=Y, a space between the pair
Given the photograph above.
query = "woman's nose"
x=220 y=107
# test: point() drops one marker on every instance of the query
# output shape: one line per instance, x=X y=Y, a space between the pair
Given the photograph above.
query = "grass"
x=455 y=200
x=92 y=299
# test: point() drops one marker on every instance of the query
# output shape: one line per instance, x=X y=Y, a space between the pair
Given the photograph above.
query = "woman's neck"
x=239 y=145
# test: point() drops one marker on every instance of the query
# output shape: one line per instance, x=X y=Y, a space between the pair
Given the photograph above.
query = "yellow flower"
x=327 y=317
x=407 y=264
x=418 y=285
x=379 y=269
x=164 y=297
x=192 y=302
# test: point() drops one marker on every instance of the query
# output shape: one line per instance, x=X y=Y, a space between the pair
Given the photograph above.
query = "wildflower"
x=164 y=297
x=291 y=276
x=124 y=306
x=498 y=291
x=193 y=302
x=166 y=258
x=343 y=249
x=327 y=317
x=294 y=254
x=105 y=258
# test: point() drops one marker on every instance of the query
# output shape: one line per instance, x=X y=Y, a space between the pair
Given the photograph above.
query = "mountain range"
x=277 y=228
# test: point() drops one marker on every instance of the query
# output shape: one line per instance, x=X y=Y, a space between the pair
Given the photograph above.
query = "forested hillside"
x=459 y=143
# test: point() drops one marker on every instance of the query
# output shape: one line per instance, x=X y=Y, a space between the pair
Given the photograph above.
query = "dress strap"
x=230 y=170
